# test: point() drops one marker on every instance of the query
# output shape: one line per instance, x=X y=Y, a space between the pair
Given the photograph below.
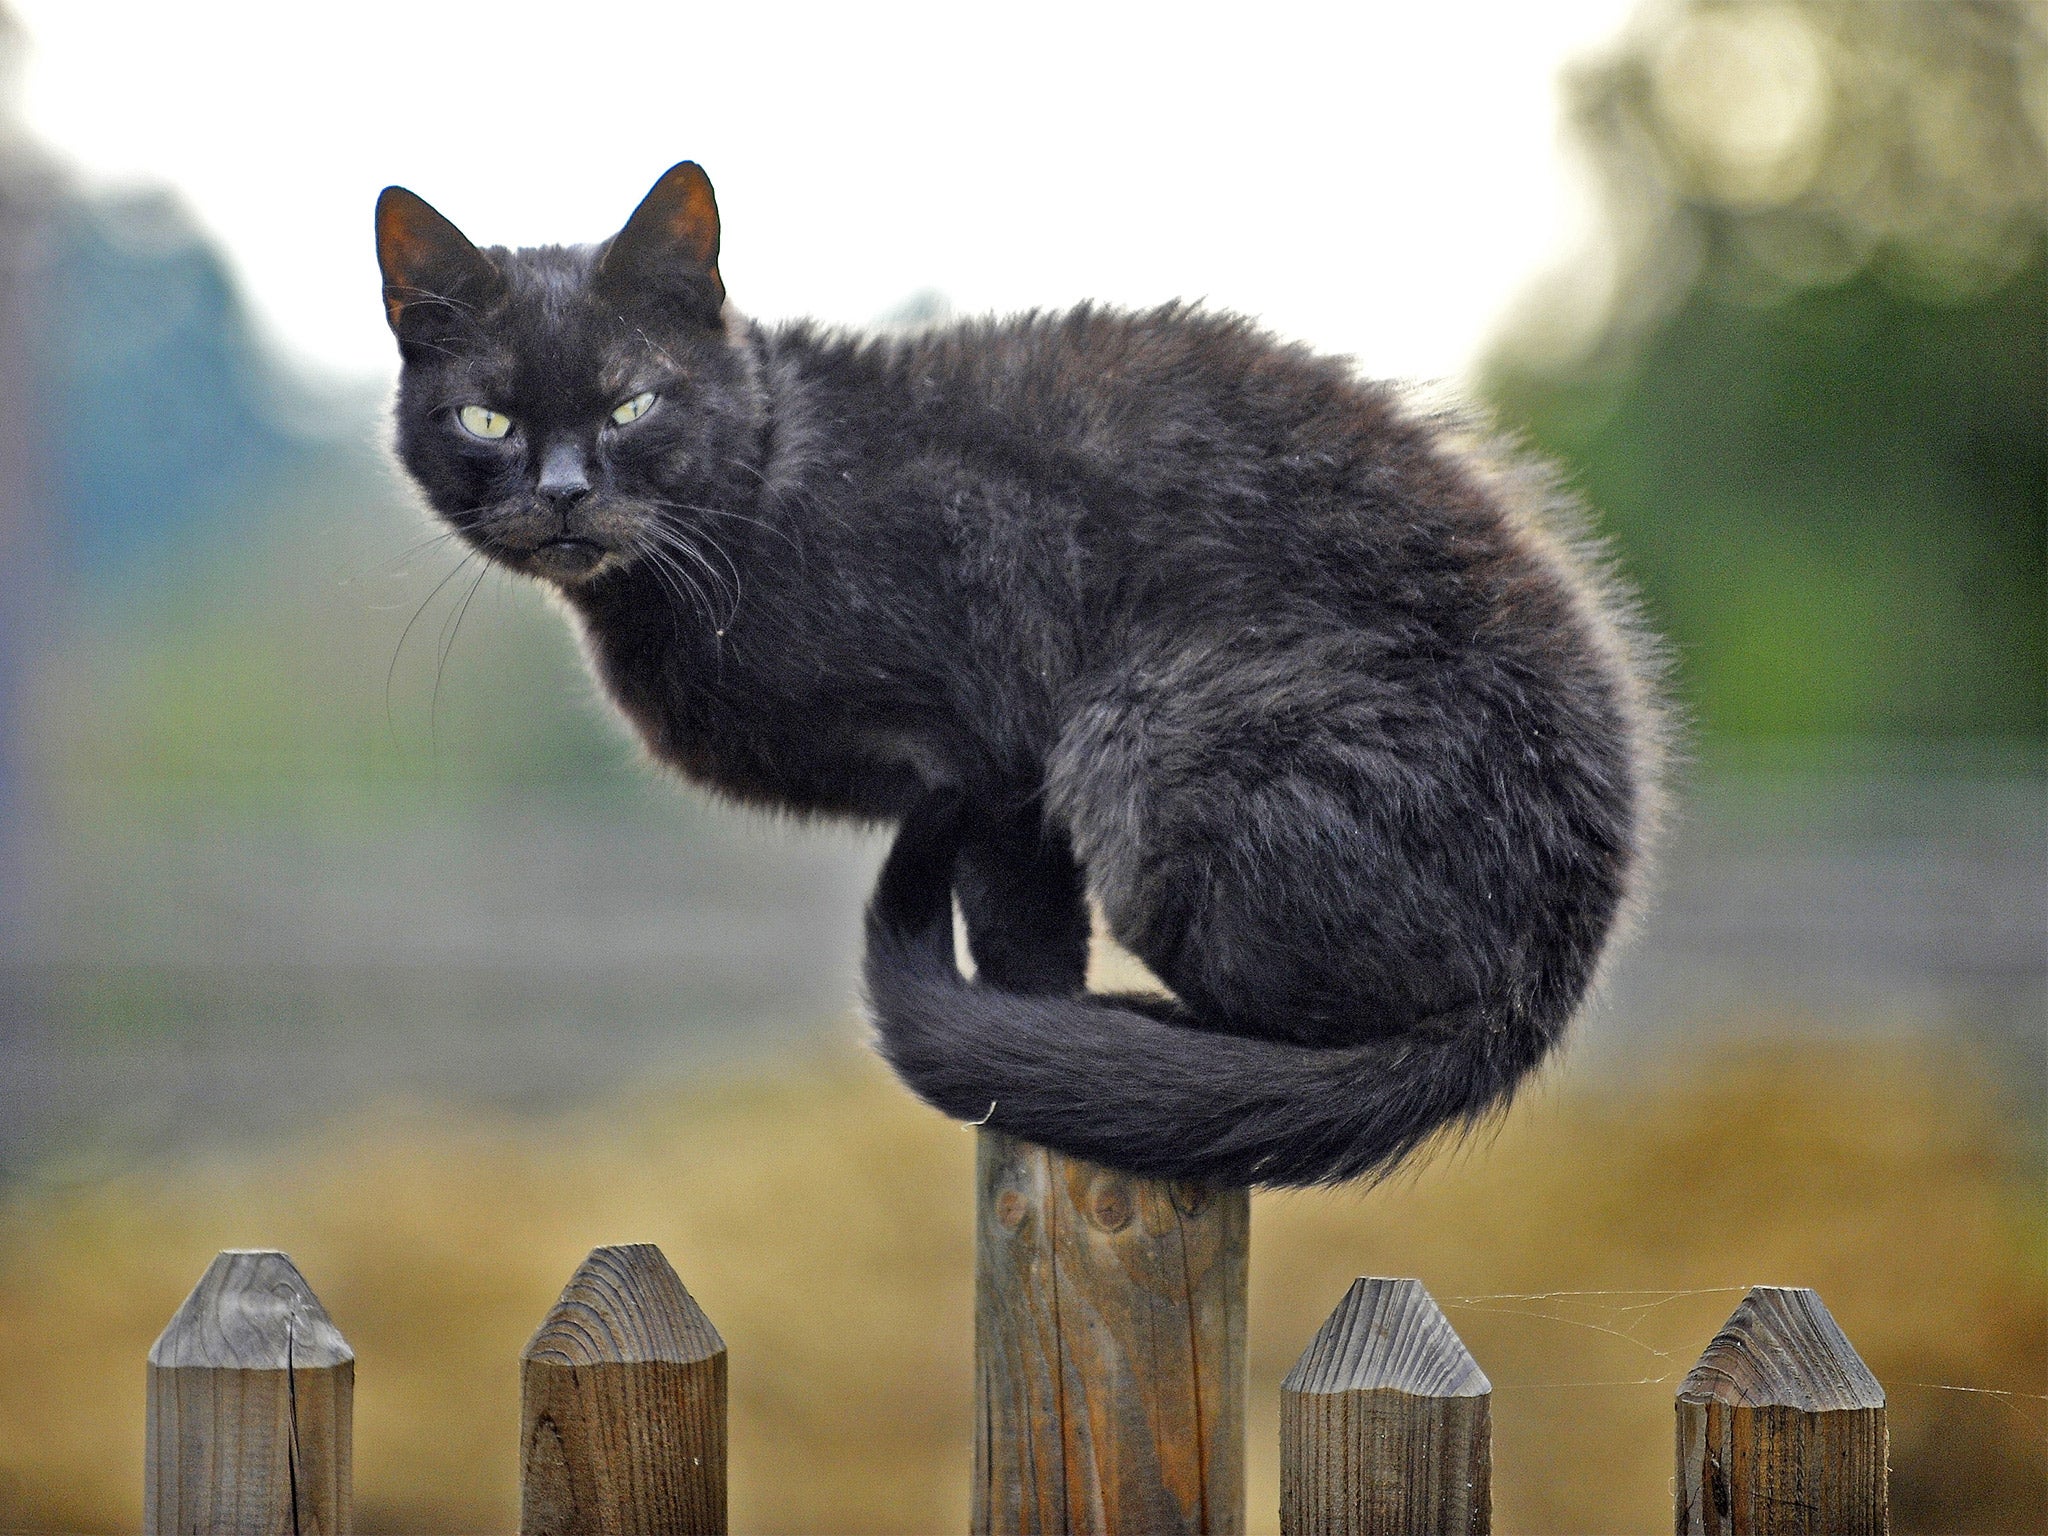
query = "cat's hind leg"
x=1024 y=901
x=1302 y=846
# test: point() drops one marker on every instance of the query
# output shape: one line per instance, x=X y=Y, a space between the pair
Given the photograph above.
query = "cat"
x=1317 y=697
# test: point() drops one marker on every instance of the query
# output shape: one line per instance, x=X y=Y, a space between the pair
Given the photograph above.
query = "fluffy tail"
x=1118 y=1081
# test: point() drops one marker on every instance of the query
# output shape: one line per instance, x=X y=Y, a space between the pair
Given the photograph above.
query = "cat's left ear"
x=669 y=247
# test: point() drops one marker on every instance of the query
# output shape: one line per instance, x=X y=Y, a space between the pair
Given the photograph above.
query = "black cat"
x=1296 y=680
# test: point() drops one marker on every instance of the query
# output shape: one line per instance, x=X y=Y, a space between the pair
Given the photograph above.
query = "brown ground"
x=822 y=1220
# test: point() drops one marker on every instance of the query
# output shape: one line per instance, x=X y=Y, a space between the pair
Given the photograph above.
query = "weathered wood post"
x=622 y=1406
x=1109 y=1348
x=251 y=1402
x=1386 y=1423
x=1781 y=1428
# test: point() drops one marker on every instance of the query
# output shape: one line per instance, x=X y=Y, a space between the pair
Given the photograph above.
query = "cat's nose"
x=564 y=475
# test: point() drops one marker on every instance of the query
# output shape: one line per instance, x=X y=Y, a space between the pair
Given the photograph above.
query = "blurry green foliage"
x=337 y=650
x=1808 y=386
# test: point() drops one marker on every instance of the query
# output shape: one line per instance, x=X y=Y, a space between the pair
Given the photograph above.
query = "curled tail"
x=1120 y=1082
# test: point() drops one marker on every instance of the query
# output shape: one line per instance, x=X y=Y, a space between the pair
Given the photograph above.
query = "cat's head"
x=563 y=407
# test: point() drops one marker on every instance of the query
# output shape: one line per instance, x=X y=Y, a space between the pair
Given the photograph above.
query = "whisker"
x=658 y=563
x=738 y=586
x=740 y=517
x=393 y=563
x=679 y=543
x=391 y=672
x=448 y=645
x=761 y=523
x=657 y=349
x=435 y=346
x=462 y=305
x=671 y=573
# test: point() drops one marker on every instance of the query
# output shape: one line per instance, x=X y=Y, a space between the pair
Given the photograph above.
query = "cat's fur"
x=1304 y=689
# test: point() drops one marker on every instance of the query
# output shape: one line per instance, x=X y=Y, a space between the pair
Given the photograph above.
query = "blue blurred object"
x=156 y=407
x=25 y=555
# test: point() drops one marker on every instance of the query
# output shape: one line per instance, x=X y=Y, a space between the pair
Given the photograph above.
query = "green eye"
x=481 y=421
x=634 y=408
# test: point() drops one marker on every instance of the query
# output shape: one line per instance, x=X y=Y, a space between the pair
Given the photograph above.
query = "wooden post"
x=622 y=1406
x=251 y=1400
x=1781 y=1428
x=1386 y=1424
x=1109 y=1348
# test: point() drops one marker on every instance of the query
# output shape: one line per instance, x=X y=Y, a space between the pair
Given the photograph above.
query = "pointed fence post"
x=1781 y=1427
x=251 y=1397
x=1109 y=1345
x=1386 y=1424
x=622 y=1406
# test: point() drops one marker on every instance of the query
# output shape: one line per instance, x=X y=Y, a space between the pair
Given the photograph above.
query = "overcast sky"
x=1377 y=178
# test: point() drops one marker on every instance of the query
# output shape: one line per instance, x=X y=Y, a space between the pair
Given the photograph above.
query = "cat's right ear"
x=434 y=278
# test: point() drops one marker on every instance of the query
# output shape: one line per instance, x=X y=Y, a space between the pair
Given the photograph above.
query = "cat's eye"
x=634 y=408
x=482 y=421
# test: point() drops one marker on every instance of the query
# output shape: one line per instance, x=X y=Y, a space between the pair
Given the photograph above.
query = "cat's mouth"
x=567 y=558
x=568 y=546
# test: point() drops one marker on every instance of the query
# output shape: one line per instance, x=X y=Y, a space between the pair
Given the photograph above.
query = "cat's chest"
x=763 y=733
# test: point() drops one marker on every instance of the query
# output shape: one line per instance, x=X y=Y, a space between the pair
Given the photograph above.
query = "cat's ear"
x=433 y=276
x=669 y=247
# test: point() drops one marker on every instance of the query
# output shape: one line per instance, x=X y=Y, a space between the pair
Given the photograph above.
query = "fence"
x=1110 y=1391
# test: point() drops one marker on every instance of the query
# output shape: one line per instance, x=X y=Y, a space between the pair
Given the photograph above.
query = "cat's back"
x=1131 y=394
x=1193 y=472
x=1200 y=445
x=1183 y=413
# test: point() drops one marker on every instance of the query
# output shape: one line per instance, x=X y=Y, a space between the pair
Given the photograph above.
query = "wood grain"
x=1386 y=1423
x=1781 y=1427
x=622 y=1411
x=1109 y=1348
x=251 y=1402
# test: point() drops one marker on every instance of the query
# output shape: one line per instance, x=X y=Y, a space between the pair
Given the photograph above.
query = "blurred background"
x=335 y=916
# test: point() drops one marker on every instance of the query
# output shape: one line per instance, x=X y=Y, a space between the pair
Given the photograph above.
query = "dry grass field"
x=1586 y=1249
